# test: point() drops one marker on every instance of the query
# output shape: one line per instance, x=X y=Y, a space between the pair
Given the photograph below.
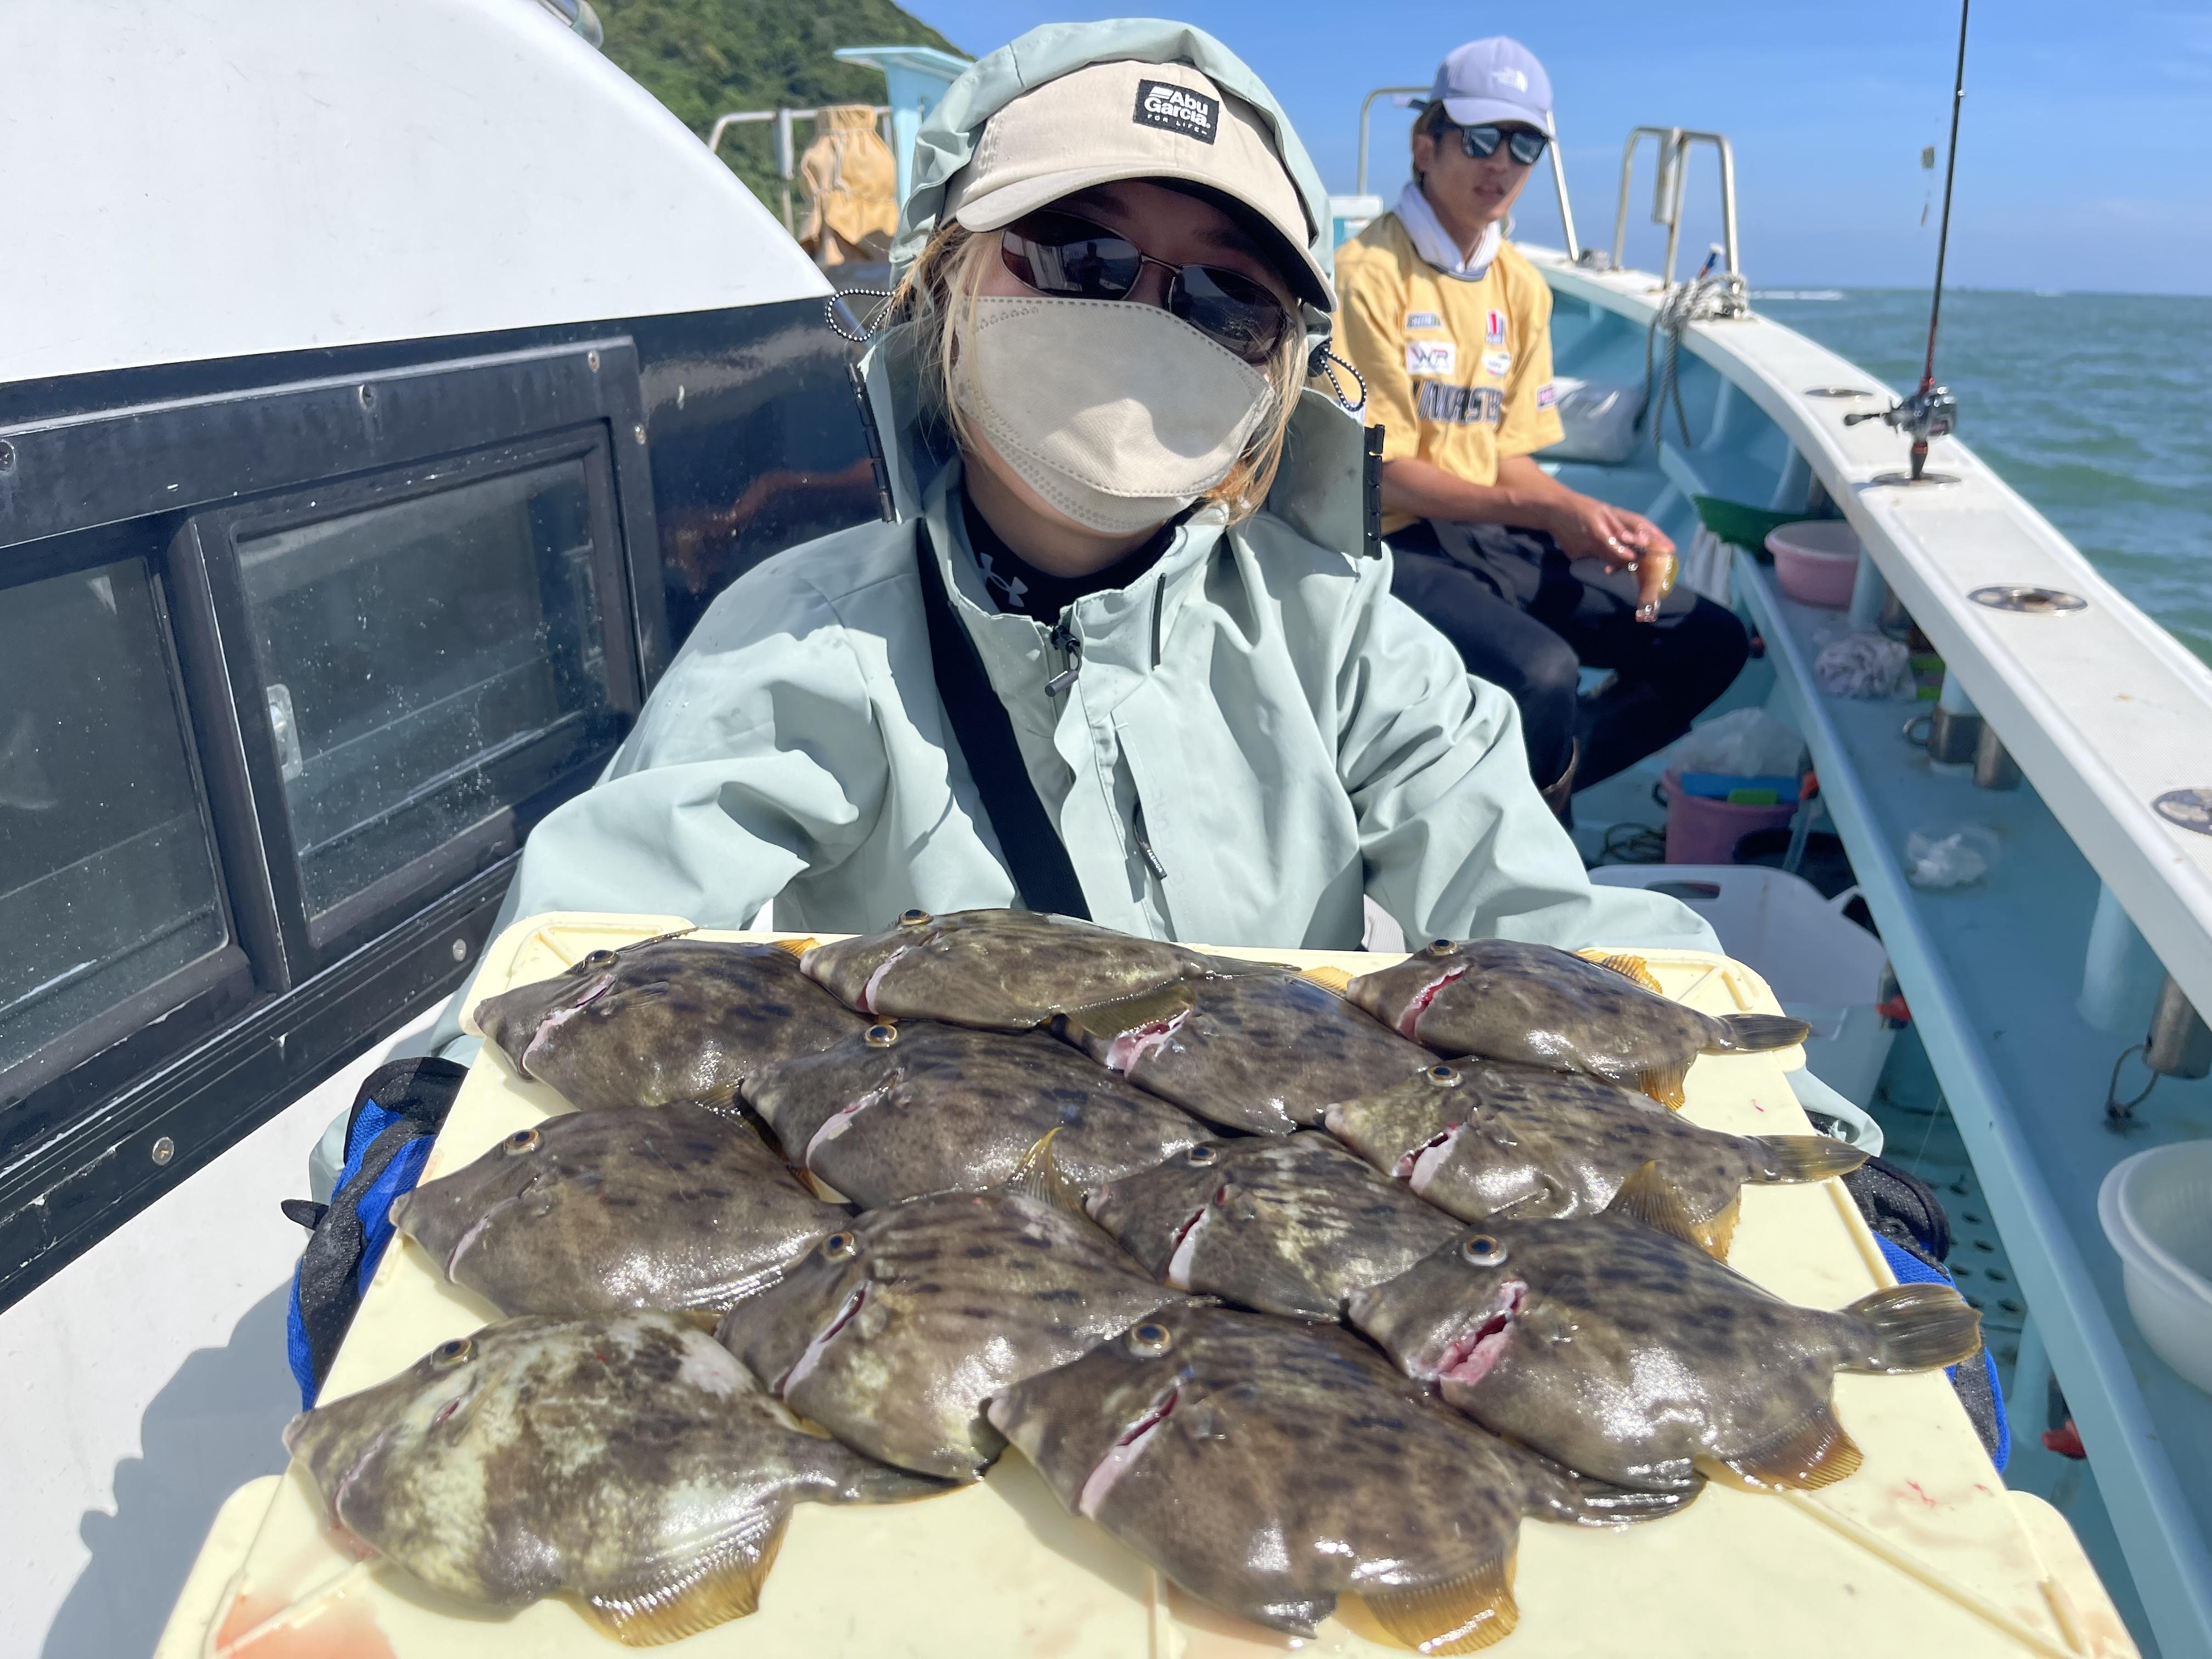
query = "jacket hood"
x=948 y=134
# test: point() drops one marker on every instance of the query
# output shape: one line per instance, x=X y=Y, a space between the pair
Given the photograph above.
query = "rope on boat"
x=1708 y=295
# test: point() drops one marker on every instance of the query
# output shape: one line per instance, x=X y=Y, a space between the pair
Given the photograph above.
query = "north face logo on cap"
x=1172 y=108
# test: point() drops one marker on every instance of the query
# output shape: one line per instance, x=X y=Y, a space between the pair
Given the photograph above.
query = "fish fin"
x=798 y=947
x=1665 y=1083
x=1794 y=1159
x=1718 y=1230
x=1334 y=979
x=1591 y=1501
x=1628 y=967
x=1917 y=1327
x=1039 y=1176
x=704 y=1319
x=1755 y=1034
x=821 y=1188
x=726 y=1586
x=1818 y=1452
x=1649 y=1197
x=1464 y=1614
x=1109 y=1019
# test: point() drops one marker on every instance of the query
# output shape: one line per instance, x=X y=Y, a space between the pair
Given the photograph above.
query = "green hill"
x=704 y=57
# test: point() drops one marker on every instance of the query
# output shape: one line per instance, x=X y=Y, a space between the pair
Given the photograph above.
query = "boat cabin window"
x=108 y=883
x=424 y=665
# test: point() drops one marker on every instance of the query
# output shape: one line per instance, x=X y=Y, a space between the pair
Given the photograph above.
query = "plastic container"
x=2157 y=1209
x=1703 y=830
x=1823 y=968
x=1816 y=561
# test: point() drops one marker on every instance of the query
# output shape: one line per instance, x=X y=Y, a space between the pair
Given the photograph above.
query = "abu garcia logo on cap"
x=1172 y=108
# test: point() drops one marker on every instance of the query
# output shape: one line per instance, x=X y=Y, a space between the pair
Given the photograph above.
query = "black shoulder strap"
x=1034 y=856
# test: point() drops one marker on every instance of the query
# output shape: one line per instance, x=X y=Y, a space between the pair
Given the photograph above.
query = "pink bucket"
x=1703 y=831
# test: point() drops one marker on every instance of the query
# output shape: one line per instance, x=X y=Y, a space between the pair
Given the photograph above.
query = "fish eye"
x=1441 y=947
x=1202 y=1156
x=842 y=1246
x=1149 y=1338
x=1482 y=1251
x=880 y=1037
x=600 y=961
x=522 y=1140
x=448 y=1354
x=1445 y=1077
x=914 y=918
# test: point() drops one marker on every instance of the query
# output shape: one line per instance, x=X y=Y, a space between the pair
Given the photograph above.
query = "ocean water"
x=2096 y=407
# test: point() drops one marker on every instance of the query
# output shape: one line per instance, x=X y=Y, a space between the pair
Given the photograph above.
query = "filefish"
x=593 y=1212
x=898 y=1326
x=667 y=1020
x=1005 y=970
x=1502 y=999
x=909 y=1108
x=1261 y=1052
x=629 y=1460
x=1483 y=1138
x=1269 y=1466
x=1289 y=1224
x=1629 y=1352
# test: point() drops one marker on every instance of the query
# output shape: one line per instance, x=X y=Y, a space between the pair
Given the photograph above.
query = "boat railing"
x=1412 y=97
x=787 y=155
x=1666 y=190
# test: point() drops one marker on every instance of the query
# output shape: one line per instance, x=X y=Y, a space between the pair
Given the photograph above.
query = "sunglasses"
x=1071 y=259
x=1524 y=144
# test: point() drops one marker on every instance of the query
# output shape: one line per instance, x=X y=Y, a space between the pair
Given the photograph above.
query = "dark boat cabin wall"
x=347 y=513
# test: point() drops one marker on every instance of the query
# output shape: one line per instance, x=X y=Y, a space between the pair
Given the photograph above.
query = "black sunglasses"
x=1071 y=259
x=1524 y=144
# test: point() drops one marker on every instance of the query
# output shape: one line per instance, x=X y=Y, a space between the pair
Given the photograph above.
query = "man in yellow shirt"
x=1451 y=329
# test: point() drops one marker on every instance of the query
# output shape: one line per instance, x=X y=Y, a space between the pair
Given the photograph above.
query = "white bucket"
x=2157 y=1209
x=1826 y=970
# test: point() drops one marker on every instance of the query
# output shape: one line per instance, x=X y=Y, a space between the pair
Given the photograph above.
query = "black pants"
x=1526 y=617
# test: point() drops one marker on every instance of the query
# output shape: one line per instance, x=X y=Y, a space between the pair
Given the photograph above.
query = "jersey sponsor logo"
x=1497 y=362
x=1422 y=319
x=1493 y=332
x=1431 y=357
x=1547 y=395
x=1459 y=405
x=1172 y=108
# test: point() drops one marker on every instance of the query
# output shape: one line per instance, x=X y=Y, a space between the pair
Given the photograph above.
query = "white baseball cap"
x=1491 y=80
x=1132 y=119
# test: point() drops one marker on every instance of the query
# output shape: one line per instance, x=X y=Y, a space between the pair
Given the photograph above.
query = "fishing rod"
x=1931 y=411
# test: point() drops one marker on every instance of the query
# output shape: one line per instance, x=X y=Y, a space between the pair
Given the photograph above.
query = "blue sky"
x=2085 y=157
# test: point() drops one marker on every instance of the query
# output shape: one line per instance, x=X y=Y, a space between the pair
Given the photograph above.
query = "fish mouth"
x=1132 y=1045
x=549 y=1027
x=839 y=1121
x=1186 y=1243
x=1417 y=1005
x=867 y=1000
x=1418 y=1167
x=804 y=1364
x=1469 y=1358
x=1125 y=1451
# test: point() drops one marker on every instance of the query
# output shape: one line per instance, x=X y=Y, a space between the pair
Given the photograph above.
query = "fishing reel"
x=1930 y=412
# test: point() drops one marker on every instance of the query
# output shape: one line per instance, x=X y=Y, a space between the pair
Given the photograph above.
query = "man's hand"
x=1587 y=528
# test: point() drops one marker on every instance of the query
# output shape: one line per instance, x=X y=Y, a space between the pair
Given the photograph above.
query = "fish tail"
x=1916 y=1327
x=1628 y=967
x=1755 y=1034
x=1461 y=1614
x=1665 y=1083
x=1794 y=1159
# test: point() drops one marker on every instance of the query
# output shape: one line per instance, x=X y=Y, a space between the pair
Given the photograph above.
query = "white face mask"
x=1117 y=413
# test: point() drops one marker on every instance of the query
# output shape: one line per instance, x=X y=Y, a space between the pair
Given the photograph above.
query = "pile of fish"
x=1298 y=1286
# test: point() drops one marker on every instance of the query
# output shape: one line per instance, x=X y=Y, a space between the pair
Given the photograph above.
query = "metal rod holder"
x=2178 y=1043
x=1994 y=766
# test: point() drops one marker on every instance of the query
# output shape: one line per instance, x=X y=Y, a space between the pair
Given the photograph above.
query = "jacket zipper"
x=1065 y=641
x=1145 y=844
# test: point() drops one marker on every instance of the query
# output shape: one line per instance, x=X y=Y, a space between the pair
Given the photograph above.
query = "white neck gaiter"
x=1435 y=245
x=1117 y=413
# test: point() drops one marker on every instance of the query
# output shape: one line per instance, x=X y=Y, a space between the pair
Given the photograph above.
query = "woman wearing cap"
x=1189 y=719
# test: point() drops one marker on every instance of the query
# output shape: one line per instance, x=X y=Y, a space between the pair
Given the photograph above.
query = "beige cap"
x=1135 y=120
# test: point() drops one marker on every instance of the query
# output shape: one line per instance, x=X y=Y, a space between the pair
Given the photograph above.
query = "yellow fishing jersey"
x=1458 y=373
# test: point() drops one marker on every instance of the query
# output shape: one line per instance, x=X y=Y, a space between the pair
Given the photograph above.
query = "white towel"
x=1434 y=244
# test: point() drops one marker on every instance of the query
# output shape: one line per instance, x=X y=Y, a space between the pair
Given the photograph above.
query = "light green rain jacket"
x=1294 y=738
